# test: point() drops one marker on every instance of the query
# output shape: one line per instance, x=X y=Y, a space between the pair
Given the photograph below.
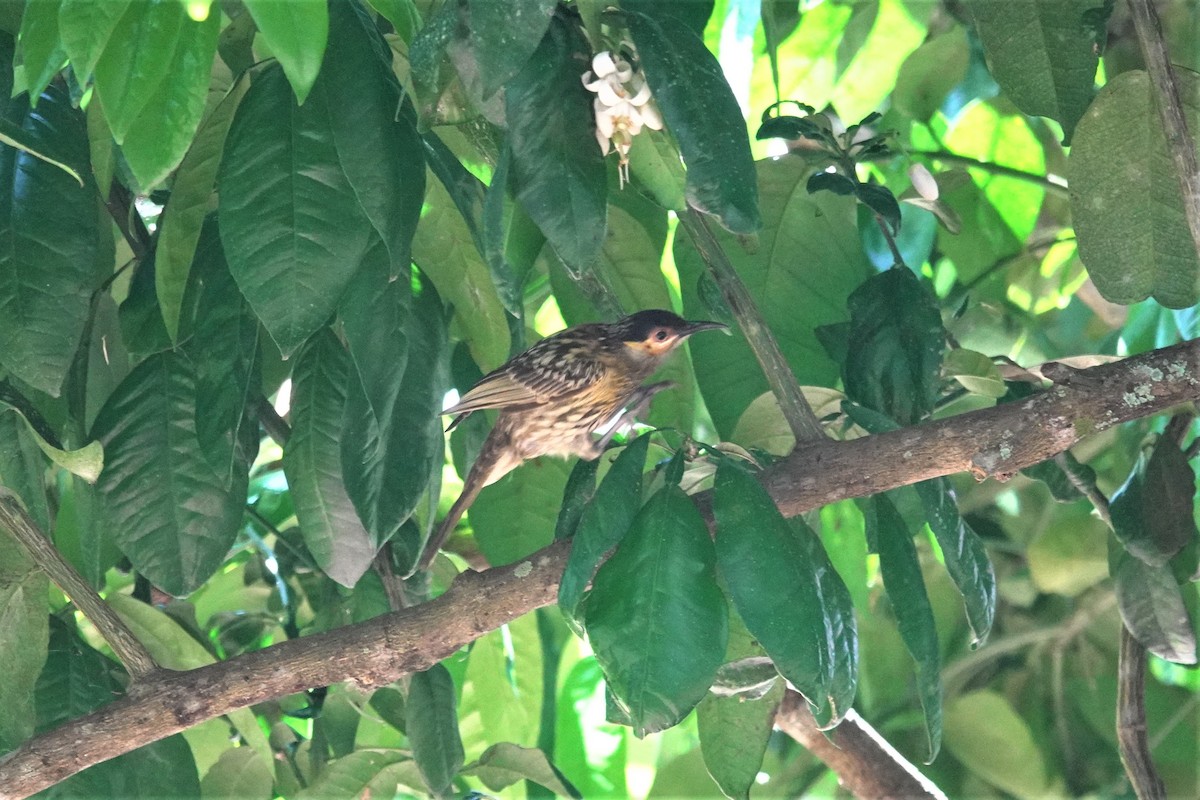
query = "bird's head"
x=653 y=334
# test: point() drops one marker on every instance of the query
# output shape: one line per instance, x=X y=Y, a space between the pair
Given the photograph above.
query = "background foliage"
x=345 y=211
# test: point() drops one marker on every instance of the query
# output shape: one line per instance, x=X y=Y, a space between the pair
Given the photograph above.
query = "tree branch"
x=799 y=415
x=138 y=662
x=1132 y=739
x=995 y=441
x=864 y=761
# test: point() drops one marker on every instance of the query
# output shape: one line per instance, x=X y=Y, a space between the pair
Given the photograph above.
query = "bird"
x=556 y=395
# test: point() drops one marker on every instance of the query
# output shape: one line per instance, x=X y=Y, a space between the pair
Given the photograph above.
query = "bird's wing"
x=551 y=370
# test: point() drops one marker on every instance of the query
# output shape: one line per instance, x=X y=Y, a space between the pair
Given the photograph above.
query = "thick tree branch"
x=133 y=655
x=997 y=442
x=799 y=415
x=864 y=762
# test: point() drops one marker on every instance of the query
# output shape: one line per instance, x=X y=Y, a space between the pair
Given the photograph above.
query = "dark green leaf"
x=794 y=294
x=692 y=14
x=655 y=616
x=930 y=73
x=516 y=515
x=312 y=462
x=830 y=182
x=603 y=524
x=1043 y=54
x=23 y=636
x=901 y=571
x=296 y=32
x=701 y=111
x=1152 y=607
x=504 y=36
x=503 y=764
x=896 y=342
x=391 y=441
x=1152 y=512
x=881 y=201
x=508 y=284
x=966 y=559
x=787 y=127
x=785 y=590
x=76 y=680
x=558 y=175
x=1120 y=160
x=42 y=53
x=85 y=27
x=440 y=96
x=733 y=737
x=779 y=19
x=1056 y=479
x=432 y=727
x=290 y=220
x=47 y=270
x=23 y=465
x=168 y=510
x=580 y=488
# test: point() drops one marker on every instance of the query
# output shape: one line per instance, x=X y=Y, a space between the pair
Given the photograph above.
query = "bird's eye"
x=660 y=335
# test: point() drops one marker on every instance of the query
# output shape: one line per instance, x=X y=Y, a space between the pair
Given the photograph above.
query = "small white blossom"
x=623 y=105
x=923 y=182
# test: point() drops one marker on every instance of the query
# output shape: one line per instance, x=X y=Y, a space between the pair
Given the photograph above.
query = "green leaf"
x=1152 y=608
x=156 y=138
x=503 y=764
x=129 y=77
x=966 y=559
x=830 y=182
x=577 y=495
x=169 y=511
x=901 y=571
x=975 y=372
x=516 y=515
x=47 y=271
x=897 y=28
x=1119 y=161
x=655 y=617
x=290 y=221
x=1056 y=479
x=795 y=295
x=22 y=466
x=1043 y=53
x=654 y=166
x=691 y=14
x=352 y=775
x=785 y=590
x=432 y=726
x=392 y=443
x=24 y=638
x=929 y=74
x=733 y=737
x=42 y=52
x=503 y=687
x=1069 y=556
x=296 y=32
x=238 y=774
x=603 y=524
x=86 y=461
x=700 y=110
x=76 y=679
x=190 y=201
x=1152 y=513
x=1003 y=751
x=312 y=462
x=504 y=36
x=895 y=347
x=983 y=238
x=881 y=201
x=558 y=175
x=444 y=251
x=85 y=27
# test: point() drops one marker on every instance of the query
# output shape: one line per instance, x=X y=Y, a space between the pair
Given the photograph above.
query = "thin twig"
x=121 y=208
x=10 y=395
x=1165 y=94
x=275 y=425
x=1052 y=183
x=1132 y=741
x=1086 y=488
x=138 y=662
x=796 y=410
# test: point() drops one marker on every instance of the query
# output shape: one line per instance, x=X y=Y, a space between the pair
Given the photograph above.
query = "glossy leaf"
x=700 y=110
x=23 y=466
x=905 y=587
x=432 y=727
x=169 y=511
x=42 y=53
x=85 y=27
x=966 y=559
x=655 y=617
x=1152 y=513
x=504 y=36
x=391 y=453
x=516 y=515
x=1043 y=53
x=558 y=175
x=127 y=77
x=577 y=495
x=806 y=621
x=795 y=295
x=291 y=225
x=603 y=524
x=24 y=637
x=896 y=341
x=312 y=462
x=86 y=461
x=296 y=32
x=183 y=215
x=1120 y=156
x=47 y=271
x=1152 y=607
x=733 y=734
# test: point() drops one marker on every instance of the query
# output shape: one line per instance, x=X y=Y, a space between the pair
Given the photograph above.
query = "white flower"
x=923 y=182
x=623 y=105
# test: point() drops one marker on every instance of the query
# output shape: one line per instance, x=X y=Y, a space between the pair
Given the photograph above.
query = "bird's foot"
x=636 y=406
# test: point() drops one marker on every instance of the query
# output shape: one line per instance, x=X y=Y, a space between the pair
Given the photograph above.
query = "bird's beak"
x=696 y=327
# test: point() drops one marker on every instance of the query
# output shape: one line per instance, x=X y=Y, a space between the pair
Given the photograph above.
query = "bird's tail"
x=495 y=460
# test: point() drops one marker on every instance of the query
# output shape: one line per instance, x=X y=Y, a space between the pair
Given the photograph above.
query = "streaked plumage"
x=553 y=397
